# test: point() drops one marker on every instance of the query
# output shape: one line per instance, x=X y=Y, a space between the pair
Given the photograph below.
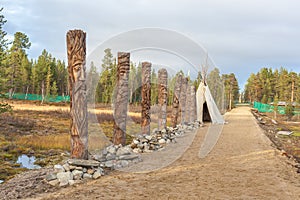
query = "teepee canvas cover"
x=204 y=98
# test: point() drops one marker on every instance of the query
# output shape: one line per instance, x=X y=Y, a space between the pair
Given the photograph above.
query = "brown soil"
x=243 y=165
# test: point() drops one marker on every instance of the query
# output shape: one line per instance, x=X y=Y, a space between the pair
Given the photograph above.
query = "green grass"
x=296 y=133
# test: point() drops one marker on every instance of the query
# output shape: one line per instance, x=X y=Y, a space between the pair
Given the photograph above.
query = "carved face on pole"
x=79 y=71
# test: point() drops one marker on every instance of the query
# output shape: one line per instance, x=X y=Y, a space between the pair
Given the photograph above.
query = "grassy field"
x=43 y=131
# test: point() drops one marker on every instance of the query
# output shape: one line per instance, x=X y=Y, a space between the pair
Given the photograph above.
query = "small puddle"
x=27 y=162
x=1 y=181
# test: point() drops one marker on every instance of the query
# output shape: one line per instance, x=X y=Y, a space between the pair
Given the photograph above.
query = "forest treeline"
x=273 y=85
x=48 y=76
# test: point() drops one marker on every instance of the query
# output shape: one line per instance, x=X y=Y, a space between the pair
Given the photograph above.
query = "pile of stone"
x=74 y=171
x=116 y=157
x=158 y=140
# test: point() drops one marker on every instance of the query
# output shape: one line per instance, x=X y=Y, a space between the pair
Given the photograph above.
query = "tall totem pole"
x=76 y=46
x=121 y=101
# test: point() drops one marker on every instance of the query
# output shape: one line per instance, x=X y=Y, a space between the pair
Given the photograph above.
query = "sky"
x=239 y=36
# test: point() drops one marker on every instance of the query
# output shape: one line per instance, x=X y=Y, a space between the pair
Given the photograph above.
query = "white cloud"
x=241 y=36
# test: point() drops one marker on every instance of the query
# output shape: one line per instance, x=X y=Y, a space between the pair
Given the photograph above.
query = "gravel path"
x=243 y=165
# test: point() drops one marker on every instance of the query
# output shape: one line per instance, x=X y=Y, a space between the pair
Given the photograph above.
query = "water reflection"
x=27 y=162
x=1 y=181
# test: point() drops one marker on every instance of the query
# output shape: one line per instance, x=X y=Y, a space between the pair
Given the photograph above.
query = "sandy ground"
x=243 y=165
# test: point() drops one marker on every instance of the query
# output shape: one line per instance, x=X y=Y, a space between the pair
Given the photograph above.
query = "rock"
x=90 y=171
x=111 y=149
x=163 y=131
x=135 y=141
x=129 y=157
x=64 y=178
x=54 y=182
x=66 y=167
x=148 y=137
x=96 y=175
x=72 y=167
x=140 y=146
x=110 y=156
x=123 y=151
x=162 y=141
x=79 y=168
x=74 y=182
x=124 y=163
x=84 y=170
x=84 y=163
x=51 y=177
x=109 y=164
x=87 y=176
x=71 y=182
x=284 y=132
x=100 y=157
x=59 y=168
x=137 y=150
x=274 y=121
x=77 y=174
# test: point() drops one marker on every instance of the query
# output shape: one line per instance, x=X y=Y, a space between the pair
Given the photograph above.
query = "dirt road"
x=243 y=165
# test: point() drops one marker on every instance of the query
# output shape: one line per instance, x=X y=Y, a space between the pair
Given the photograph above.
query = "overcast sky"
x=240 y=36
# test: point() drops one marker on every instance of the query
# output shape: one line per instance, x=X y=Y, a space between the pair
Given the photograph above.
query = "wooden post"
x=188 y=103
x=146 y=97
x=193 y=103
x=183 y=99
x=162 y=98
x=76 y=46
x=176 y=96
x=121 y=102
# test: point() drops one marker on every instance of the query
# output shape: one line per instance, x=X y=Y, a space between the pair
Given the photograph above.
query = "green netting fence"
x=261 y=107
x=36 y=97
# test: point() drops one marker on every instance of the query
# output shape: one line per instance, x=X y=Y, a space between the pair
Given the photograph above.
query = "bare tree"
x=162 y=98
x=76 y=46
x=121 y=100
x=176 y=96
x=146 y=97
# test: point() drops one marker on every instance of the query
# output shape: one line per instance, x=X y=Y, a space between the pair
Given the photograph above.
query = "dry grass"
x=42 y=142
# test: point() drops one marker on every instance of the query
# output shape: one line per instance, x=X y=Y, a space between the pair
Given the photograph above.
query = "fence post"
x=76 y=47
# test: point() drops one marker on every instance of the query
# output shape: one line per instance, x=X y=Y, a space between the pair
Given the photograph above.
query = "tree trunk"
x=43 y=92
x=183 y=99
x=121 y=99
x=162 y=98
x=293 y=88
x=176 y=96
x=26 y=95
x=146 y=97
x=76 y=46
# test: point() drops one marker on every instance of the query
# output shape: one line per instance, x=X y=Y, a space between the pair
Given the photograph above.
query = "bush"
x=5 y=107
x=289 y=111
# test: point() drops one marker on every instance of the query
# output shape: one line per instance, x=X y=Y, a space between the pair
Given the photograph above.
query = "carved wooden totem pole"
x=188 y=103
x=121 y=101
x=162 y=98
x=183 y=99
x=175 y=109
x=76 y=46
x=146 y=97
x=193 y=103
